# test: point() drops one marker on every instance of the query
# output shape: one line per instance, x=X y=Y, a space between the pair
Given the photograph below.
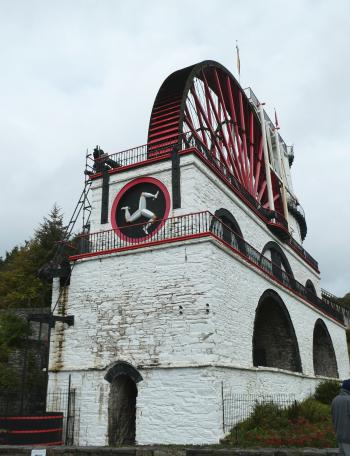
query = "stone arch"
x=274 y=340
x=280 y=266
x=229 y=230
x=325 y=362
x=310 y=287
x=123 y=368
x=123 y=378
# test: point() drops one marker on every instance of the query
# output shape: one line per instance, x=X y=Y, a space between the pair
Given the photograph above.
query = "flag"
x=238 y=60
x=276 y=120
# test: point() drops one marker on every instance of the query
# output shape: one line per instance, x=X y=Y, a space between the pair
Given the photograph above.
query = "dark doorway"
x=122 y=411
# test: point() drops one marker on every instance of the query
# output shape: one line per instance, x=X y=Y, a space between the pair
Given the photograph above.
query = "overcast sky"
x=79 y=73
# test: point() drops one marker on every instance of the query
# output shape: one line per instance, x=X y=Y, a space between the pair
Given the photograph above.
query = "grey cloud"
x=76 y=74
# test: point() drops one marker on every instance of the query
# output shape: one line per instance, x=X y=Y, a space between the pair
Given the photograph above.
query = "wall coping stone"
x=171 y=450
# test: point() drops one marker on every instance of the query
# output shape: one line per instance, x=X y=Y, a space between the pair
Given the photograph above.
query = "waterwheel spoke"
x=210 y=127
x=208 y=103
x=235 y=123
x=189 y=122
x=258 y=166
x=275 y=198
x=232 y=149
x=202 y=128
x=251 y=150
x=244 y=137
x=262 y=190
x=216 y=114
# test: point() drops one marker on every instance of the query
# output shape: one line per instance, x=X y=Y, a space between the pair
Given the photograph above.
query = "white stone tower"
x=192 y=280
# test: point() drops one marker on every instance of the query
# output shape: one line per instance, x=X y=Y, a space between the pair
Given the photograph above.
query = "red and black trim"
x=129 y=195
x=204 y=105
x=32 y=430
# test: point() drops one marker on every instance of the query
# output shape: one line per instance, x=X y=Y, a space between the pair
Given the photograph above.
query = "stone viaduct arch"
x=274 y=340
x=325 y=362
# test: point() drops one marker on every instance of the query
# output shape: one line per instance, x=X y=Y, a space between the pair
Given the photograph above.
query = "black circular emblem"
x=140 y=208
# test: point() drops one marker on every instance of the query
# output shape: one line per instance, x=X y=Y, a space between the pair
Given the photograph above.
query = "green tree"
x=19 y=282
x=20 y=287
x=345 y=300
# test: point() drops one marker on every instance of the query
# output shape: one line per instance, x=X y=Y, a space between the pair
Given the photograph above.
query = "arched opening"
x=279 y=265
x=229 y=229
x=310 y=288
x=122 y=411
x=274 y=340
x=325 y=362
x=122 y=403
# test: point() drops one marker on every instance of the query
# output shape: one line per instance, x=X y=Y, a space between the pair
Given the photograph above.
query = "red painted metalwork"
x=195 y=226
x=126 y=187
x=32 y=430
x=207 y=103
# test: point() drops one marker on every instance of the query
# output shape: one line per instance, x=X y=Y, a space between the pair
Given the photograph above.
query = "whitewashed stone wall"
x=234 y=300
x=160 y=170
x=183 y=315
x=126 y=307
x=203 y=190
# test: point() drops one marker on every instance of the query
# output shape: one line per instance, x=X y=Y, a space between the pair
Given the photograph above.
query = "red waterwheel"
x=204 y=105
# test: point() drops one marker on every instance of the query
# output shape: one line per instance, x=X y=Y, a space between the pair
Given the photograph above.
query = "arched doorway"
x=122 y=403
x=274 y=340
x=310 y=290
x=279 y=265
x=325 y=362
x=229 y=229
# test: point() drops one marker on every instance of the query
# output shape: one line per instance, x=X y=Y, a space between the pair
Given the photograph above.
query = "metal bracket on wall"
x=176 y=178
x=52 y=319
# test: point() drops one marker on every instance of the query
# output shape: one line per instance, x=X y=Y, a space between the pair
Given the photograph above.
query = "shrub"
x=314 y=411
x=302 y=424
x=268 y=415
x=326 y=391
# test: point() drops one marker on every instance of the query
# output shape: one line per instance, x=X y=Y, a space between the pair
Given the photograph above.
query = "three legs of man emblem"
x=142 y=211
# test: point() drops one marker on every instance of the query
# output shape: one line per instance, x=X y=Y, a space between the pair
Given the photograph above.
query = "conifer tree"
x=19 y=282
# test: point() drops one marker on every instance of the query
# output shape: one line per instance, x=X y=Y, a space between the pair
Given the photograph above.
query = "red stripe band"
x=38 y=431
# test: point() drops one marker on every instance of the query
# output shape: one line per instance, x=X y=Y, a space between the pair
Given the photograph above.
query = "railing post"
x=68 y=409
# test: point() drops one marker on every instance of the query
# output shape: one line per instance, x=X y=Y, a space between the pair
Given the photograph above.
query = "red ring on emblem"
x=150 y=180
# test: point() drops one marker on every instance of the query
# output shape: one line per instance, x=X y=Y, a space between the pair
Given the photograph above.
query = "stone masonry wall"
x=183 y=315
x=127 y=307
x=202 y=190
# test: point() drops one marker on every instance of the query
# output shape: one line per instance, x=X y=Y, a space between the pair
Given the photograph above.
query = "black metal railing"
x=298 y=212
x=303 y=253
x=190 y=141
x=168 y=229
x=267 y=214
x=240 y=407
x=128 y=157
x=37 y=402
x=141 y=154
x=189 y=226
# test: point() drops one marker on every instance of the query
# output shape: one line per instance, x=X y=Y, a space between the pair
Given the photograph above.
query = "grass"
x=303 y=424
